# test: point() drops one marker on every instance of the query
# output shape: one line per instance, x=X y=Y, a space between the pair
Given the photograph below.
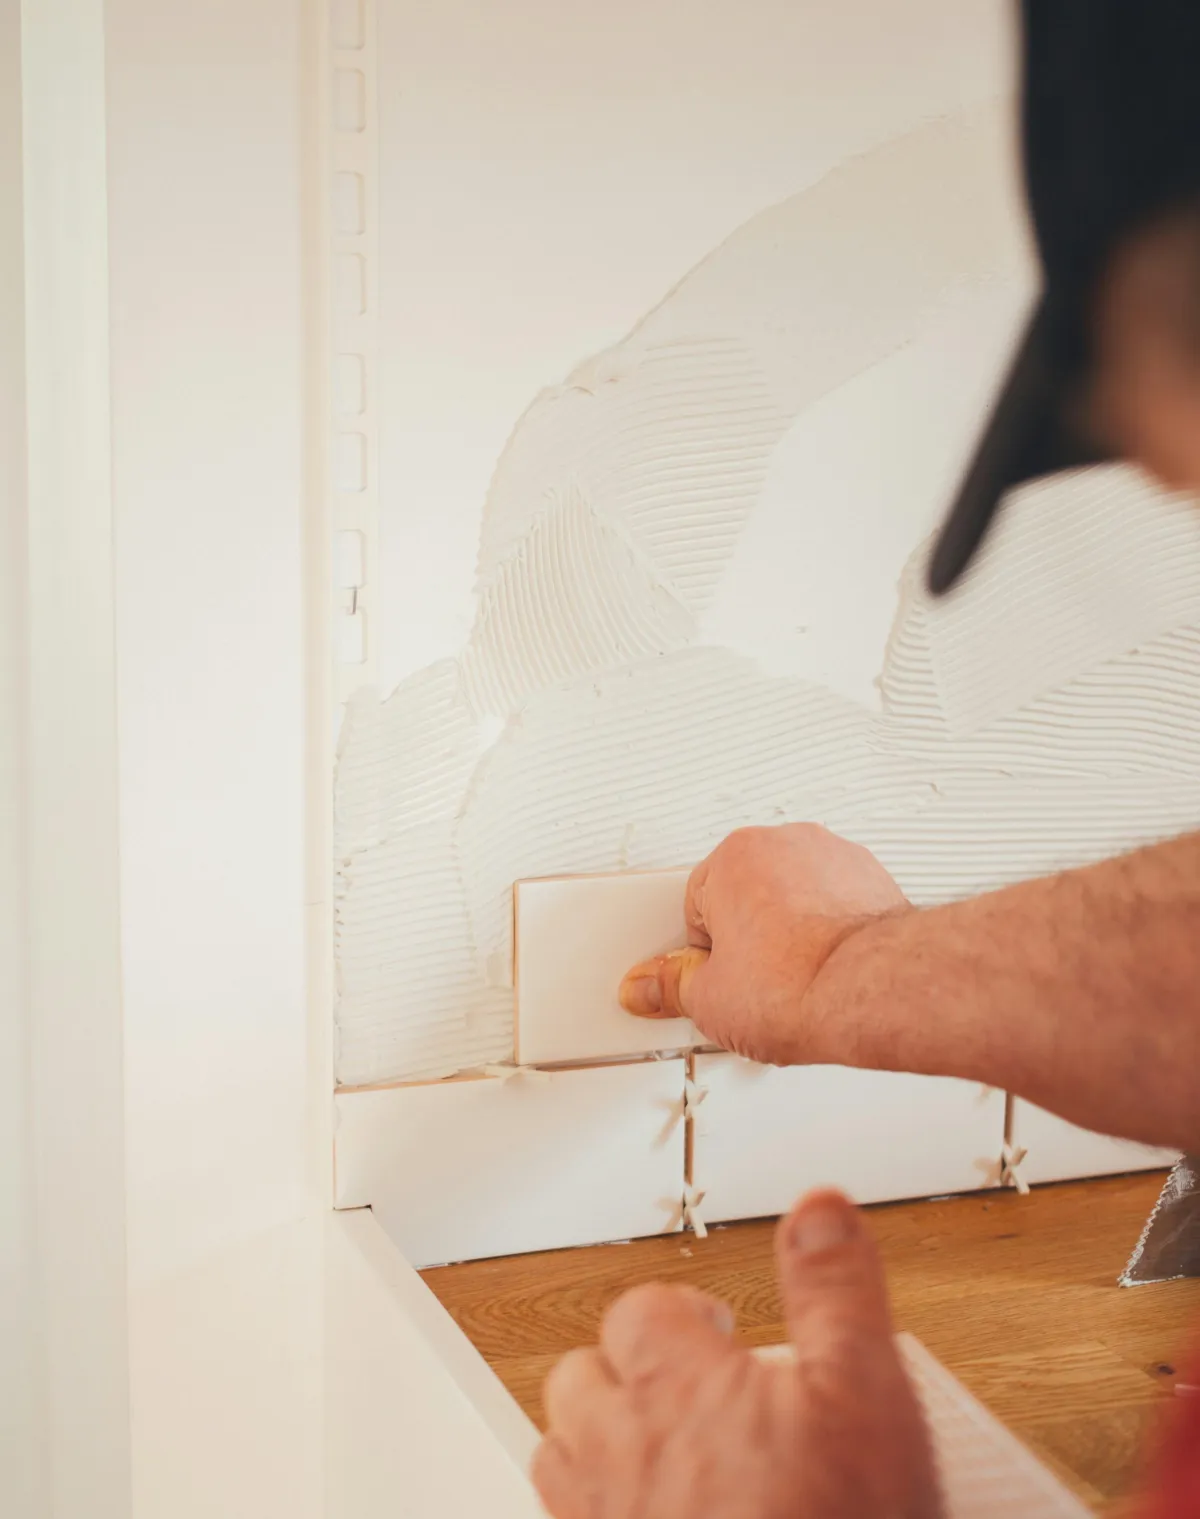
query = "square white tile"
x=764 y=1135
x=576 y=936
x=461 y=1169
x=1061 y=1151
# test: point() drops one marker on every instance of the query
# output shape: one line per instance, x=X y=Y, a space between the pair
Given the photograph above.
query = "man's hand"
x=765 y=911
x=671 y=1419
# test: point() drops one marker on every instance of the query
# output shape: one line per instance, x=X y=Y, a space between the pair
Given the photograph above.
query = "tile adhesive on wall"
x=1046 y=715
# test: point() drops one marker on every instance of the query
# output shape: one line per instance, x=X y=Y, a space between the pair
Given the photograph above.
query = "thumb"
x=663 y=987
x=831 y=1279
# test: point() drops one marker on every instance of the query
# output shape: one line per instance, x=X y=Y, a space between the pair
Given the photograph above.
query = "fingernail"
x=818 y=1229
x=641 y=995
x=723 y=1318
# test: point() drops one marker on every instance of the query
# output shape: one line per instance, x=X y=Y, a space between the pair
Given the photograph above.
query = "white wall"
x=684 y=327
x=549 y=172
x=208 y=368
x=684 y=331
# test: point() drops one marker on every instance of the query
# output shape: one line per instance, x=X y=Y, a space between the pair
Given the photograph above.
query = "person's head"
x=1145 y=394
x=1109 y=366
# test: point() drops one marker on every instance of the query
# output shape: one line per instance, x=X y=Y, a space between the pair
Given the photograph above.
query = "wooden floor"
x=1016 y=1295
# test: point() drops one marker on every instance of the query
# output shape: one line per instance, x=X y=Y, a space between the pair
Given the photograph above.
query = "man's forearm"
x=1080 y=991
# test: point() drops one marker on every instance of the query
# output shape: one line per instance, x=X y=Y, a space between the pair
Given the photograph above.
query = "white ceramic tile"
x=764 y=1135
x=576 y=936
x=458 y=1170
x=1060 y=1151
x=985 y=1471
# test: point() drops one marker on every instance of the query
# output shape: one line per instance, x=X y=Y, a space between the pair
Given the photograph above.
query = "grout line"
x=606 y=875
x=566 y=1068
x=689 y=1124
x=516 y=970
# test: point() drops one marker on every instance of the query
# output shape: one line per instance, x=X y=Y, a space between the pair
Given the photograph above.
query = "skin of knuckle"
x=643 y=1329
x=741 y=854
x=733 y=1381
x=687 y=1302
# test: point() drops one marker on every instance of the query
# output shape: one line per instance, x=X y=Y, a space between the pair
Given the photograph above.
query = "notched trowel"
x=1170 y=1242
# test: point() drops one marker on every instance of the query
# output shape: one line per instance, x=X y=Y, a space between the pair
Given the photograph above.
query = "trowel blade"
x=1170 y=1242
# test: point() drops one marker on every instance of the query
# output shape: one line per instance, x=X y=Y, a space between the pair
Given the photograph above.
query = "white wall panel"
x=310 y=1374
x=208 y=369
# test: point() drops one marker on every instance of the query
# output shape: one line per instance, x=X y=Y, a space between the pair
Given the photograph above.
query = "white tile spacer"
x=1010 y=1174
x=693 y=1096
x=692 y=1214
x=506 y=1071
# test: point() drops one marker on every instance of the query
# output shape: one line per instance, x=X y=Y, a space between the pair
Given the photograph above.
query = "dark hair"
x=1111 y=133
x=1111 y=136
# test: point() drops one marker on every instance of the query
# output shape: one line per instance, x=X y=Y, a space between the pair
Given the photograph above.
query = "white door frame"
x=63 y=1200
x=65 y=707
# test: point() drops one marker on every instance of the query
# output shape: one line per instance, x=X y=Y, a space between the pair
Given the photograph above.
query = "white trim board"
x=1056 y=1150
x=764 y=1135
x=460 y=1170
x=308 y=1372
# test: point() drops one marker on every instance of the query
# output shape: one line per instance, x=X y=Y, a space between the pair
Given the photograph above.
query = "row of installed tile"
x=535 y=1160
